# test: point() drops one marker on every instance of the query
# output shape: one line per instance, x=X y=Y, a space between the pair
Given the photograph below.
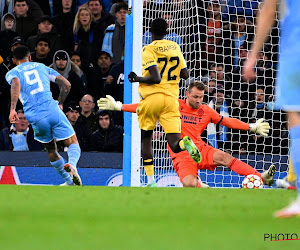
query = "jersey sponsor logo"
x=190 y=119
x=147 y=63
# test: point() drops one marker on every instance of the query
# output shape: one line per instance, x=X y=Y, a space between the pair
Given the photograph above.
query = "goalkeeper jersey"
x=167 y=56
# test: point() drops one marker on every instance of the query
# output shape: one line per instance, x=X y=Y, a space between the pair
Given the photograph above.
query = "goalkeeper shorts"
x=184 y=164
x=160 y=107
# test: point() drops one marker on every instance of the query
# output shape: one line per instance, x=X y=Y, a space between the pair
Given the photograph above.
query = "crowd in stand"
x=84 y=41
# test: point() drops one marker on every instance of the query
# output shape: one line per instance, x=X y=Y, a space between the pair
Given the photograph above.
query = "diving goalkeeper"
x=192 y=109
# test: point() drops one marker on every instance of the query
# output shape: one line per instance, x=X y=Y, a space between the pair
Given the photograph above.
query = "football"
x=252 y=181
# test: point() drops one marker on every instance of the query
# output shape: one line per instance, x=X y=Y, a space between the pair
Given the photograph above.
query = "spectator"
x=4 y=86
x=216 y=71
x=7 y=34
x=42 y=51
x=87 y=115
x=72 y=111
x=217 y=134
x=103 y=19
x=172 y=36
x=7 y=6
x=26 y=24
x=114 y=86
x=19 y=137
x=241 y=33
x=99 y=75
x=209 y=90
x=63 y=65
x=64 y=22
x=46 y=28
x=16 y=42
x=258 y=109
x=211 y=34
x=108 y=137
x=75 y=58
x=114 y=39
x=87 y=42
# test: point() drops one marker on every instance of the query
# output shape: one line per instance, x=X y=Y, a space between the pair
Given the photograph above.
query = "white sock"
x=150 y=178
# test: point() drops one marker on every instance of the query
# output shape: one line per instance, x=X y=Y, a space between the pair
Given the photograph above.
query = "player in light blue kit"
x=30 y=82
x=288 y=83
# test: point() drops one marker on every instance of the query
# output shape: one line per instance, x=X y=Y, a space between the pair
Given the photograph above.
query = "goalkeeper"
x=195 y=117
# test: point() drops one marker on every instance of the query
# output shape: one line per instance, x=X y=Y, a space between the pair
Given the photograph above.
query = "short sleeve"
x=52 y=74
x=11 y=75
x=148 y=58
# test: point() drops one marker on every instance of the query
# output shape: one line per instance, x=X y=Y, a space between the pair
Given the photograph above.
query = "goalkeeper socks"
x=295 y=148
x=59 y=166
x=148 y=165
x=74 y=153
x=242 y=168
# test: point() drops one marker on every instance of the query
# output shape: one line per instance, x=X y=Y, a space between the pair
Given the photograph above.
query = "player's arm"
x=109 y=103
x=153 y=78
x=260 y=127
x=264 y=24
x=64 y=87
x=14 y=93
x=149 y=62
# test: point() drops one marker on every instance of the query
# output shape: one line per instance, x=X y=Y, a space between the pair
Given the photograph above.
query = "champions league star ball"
x=252 y=181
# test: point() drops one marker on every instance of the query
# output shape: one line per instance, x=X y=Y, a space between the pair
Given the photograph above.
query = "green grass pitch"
x=46 y=217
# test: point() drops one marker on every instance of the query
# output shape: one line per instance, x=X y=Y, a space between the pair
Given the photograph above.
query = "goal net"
x=215 y=37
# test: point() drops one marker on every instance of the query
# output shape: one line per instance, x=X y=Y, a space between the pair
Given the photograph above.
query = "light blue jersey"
x=35 y=94
x=40 y=109
x=288 y=84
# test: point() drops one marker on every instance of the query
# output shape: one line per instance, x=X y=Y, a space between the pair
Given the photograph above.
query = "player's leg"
x=148 y=112
x=169 y=119
x=63 y=131
x=43 y=134
x=177 y=145
x=57 y=161
x=186 y=170
x=74 y=153
x=294 y=123
x=147 y=155
x=221 y=158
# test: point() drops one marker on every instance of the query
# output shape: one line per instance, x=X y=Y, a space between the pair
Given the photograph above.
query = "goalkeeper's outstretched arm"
x=260 y=127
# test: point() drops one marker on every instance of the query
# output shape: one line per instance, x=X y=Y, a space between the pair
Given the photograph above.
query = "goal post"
x=205 y=43
x=133 y=62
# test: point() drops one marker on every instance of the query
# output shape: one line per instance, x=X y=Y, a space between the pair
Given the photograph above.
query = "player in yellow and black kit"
x=163 y=66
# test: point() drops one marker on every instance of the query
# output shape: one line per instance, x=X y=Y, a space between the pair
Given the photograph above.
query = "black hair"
x=21 y=52
x=94 y=1
x=159 y=27
x=44 y=39
x=121 y=6
x=74 y=53
x=20 y=1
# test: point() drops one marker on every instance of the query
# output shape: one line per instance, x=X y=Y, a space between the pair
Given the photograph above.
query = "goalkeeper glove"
x=109 y=103
x=132 y=77
x=260 y=127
